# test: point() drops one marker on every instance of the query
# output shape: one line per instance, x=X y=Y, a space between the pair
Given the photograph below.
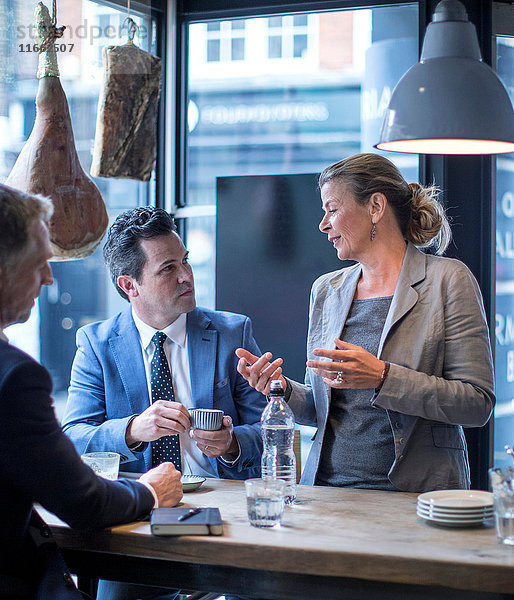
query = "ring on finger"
x=206 y=447
x=339 y=378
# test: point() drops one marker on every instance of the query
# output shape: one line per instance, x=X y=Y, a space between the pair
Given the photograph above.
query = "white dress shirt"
x=194 y=462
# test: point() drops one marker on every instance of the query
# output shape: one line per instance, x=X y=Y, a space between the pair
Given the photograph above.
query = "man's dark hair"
x=123 y=253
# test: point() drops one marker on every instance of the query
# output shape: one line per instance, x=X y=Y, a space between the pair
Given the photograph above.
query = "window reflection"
x=81 y=292
x=300 y=92
x=504 y=326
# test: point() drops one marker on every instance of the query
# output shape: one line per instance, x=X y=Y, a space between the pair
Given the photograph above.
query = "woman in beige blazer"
x=399 y=357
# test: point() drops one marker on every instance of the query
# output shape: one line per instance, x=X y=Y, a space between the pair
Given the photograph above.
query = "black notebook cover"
x=165 y=521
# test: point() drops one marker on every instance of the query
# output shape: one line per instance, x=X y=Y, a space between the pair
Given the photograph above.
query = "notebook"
x=166 y=521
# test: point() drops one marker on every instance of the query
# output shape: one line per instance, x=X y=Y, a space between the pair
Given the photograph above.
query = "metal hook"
x=132 y=28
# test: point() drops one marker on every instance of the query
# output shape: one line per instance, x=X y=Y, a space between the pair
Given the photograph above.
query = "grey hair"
x=18 y=211
x=420 y=215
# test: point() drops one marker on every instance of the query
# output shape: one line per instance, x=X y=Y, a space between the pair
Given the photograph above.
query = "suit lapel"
x=336 y=308
x=201 y=346
x=338 y=305
x=405 y=297
x=125 y=346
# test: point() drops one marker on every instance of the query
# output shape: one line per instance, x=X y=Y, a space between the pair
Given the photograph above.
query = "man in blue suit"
x=109 y=404
x=38 y=463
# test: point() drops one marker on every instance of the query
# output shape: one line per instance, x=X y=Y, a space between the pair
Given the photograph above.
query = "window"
x=288 y=36
x=274 y=37
x=213 y=50
x=109 y=24
x=504 y=328
x=260 y=47
x=81 y=291
x=224 y=41
x=302 y=91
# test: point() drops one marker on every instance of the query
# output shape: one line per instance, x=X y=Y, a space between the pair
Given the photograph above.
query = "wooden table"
x=334 y=543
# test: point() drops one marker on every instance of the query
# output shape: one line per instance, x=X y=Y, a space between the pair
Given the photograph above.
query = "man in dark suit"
x=38 y=463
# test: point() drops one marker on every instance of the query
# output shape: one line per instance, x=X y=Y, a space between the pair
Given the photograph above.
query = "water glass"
x=104 y=464
x=502 y=485
x=265 y=501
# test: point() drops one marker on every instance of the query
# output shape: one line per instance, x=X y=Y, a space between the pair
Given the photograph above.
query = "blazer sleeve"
x=461 y=390
x=85 y=418
x=301 y=402
x=39 y=461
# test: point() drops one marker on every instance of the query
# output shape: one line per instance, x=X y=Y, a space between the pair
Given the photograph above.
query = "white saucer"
x=190 y=483
x=451 y=522
x=437 y=514
x=455 y=517
x=457 y=499
x=470 y=512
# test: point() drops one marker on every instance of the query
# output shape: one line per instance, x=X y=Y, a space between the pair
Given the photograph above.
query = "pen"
x=193 y=511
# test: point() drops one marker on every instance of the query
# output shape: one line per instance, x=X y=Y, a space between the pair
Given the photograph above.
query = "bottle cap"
x=276 y=388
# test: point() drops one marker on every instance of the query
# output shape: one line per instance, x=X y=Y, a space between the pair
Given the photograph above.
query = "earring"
x=373 y=232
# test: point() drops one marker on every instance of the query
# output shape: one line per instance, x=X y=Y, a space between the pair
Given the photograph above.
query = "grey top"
x=358 y=447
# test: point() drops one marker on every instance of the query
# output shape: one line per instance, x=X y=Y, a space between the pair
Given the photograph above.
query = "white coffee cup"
x=209 y=419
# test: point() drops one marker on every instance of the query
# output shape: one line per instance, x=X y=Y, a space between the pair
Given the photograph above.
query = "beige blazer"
x=441 y=377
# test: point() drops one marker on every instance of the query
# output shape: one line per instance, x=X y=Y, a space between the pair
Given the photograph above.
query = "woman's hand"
x=349 y=367
x=259 y=372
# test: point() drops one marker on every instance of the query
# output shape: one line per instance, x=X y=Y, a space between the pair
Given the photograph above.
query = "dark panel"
x=470 y=206
x=269 y=252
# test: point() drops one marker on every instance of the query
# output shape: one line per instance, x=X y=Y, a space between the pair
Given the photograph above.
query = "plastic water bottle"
x=277 y=425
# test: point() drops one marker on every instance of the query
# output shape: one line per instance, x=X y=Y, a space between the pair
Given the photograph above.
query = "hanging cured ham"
x=49 y=165
x=126 y=128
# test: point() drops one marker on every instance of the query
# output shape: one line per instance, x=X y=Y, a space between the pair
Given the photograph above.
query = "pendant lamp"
x=451 y=102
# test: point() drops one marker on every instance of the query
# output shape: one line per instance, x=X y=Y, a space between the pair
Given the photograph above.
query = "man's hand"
x=217 y=443
x=259 y=371
x=160 y=419
x=165 y=480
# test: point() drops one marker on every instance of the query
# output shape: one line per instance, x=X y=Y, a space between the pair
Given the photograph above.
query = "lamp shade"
x=451 y=102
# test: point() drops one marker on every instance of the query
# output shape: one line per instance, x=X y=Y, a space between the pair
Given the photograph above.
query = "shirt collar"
x=176 y=331
x=3 y=337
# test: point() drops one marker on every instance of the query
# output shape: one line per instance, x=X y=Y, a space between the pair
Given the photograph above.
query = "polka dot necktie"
x=167 y=448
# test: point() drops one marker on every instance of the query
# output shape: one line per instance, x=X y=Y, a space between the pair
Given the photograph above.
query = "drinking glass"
x=502 y=485
x=104 y=464
x=265 y=501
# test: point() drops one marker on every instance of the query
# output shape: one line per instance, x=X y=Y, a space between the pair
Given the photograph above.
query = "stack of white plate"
x=456 y=508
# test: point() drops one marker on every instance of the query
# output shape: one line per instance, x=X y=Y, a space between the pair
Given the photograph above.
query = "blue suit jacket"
x=108 y=386
x=38 y=463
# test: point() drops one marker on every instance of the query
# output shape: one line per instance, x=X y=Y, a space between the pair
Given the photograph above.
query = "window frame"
x=502 y=26
x=194 y=11
x=157 y=10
